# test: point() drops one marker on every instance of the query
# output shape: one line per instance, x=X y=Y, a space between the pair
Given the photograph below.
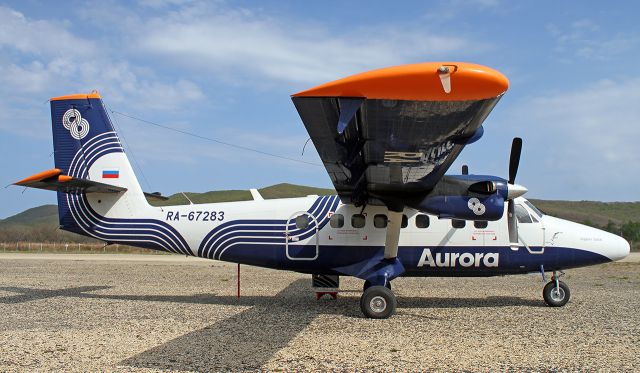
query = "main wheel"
x=556 y=296
x=378 y=302
x=367 y=285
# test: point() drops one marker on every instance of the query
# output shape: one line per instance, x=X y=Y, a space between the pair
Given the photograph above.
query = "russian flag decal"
x=110 y=174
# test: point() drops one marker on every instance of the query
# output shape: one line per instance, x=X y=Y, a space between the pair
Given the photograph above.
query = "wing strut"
x=394 y=223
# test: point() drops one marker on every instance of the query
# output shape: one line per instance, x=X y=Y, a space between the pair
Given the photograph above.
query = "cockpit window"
x=534 y=209
x=522 y=215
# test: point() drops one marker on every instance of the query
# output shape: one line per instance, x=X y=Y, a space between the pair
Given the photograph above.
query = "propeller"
x=512 y=224
x=514 y=190
x=514 y=159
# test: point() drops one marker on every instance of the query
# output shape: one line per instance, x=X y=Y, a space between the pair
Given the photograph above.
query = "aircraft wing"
x=397 y=130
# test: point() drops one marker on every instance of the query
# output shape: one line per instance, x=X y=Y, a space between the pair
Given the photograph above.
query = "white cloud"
x=213 y=39
x=221 y=40
x=31 y=119
x=585 y=39
x=117 y=81
x=479 y=3
x=586 y=138
x=47 y=59
x=163 y=3
x=39 y=37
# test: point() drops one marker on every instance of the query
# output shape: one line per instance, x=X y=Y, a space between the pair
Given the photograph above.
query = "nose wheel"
x=556 y=293
x=378 y=302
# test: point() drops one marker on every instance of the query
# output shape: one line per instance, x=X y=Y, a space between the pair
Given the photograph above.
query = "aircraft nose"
x=618 y=248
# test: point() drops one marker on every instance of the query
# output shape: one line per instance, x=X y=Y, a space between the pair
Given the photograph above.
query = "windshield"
x=522 y=215
x=533 y=208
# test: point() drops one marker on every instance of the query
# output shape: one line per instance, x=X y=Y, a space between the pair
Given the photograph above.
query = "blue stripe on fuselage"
x=334 y=259
x=238 y=232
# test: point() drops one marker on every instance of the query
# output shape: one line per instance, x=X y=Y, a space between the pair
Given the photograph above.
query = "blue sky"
x=226 y=69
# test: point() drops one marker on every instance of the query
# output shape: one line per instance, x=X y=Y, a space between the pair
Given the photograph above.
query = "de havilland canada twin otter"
x=386 y=138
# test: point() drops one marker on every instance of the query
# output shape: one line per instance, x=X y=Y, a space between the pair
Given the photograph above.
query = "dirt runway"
x=156 y=312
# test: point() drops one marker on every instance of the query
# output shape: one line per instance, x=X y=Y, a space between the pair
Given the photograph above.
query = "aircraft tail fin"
x=98 y=193
x=91 y=170
x=86 y=145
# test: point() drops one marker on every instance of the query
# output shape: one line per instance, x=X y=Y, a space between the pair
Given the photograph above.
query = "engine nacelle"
x=464 y=207
x=468 y=197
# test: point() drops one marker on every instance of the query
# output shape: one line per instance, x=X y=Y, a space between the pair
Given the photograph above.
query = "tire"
x=378 y=302
x=553 y=298
x=367 y=285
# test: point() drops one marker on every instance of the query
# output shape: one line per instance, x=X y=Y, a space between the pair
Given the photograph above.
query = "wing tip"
x=417 y=82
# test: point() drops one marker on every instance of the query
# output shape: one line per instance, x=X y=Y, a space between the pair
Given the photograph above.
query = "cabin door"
x=301 y=237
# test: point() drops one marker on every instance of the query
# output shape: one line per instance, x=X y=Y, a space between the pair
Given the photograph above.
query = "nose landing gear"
x=556 y=293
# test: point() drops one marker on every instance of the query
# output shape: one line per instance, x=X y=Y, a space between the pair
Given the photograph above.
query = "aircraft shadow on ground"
x=31 y=294
x=249 y=339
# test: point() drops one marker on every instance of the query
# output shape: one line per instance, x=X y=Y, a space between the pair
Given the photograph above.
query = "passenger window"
x=480 y=224
x=458 y=224
x=302 y=221
x=380 y=221
x=522 y=215
x=422 y=221
x=358 y=221
x=336 y=221
x=405 y=221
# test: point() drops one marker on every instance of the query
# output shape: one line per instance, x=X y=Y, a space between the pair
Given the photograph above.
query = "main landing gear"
x=367 y=284
x=556 y=293
x=378 y=302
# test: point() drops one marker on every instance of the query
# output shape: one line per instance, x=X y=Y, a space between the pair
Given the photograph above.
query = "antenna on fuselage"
x=465 y=169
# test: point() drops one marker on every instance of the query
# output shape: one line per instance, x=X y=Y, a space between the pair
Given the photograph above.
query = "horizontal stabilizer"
x=54 y=180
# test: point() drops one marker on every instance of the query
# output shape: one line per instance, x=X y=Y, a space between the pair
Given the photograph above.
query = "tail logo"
x=78 y=127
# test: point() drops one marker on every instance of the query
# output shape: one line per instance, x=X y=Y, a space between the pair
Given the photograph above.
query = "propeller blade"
x=512 y=223
x=465 y=169
x=514 y=159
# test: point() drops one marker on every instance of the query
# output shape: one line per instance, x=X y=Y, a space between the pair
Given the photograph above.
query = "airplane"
x=386 y=138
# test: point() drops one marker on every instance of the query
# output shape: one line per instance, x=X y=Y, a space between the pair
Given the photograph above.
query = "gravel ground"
x=149 y=313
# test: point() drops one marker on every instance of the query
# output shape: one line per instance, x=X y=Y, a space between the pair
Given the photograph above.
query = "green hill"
x=596 y=213
x=39 y=224
x=275 y=191
x=42 y=214
x=291 y=190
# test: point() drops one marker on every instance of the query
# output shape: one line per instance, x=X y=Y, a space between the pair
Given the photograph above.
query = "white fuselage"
x=259 y=224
